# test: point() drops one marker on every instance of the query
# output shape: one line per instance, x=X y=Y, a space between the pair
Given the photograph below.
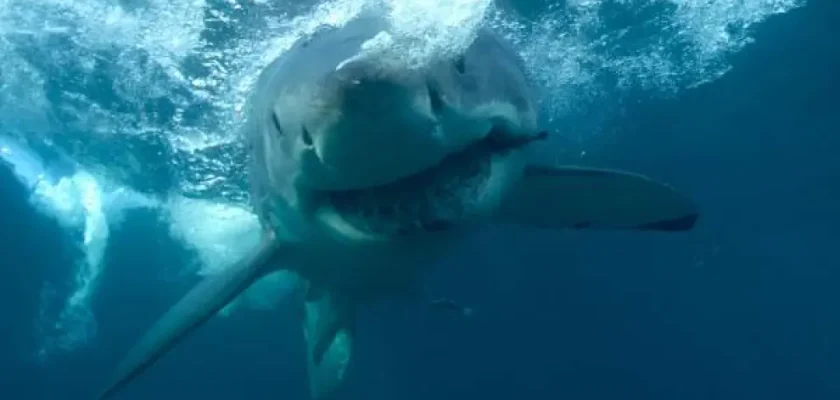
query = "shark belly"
x=340 y=277
x=372 y=269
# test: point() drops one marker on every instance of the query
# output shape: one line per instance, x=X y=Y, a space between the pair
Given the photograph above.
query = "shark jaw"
x=433 y=200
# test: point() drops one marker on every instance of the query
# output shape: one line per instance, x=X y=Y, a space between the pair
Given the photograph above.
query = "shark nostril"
x=305 y=136
x=435 y=101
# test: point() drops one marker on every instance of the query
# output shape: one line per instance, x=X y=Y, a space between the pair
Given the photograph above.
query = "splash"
x=587 y=53
x=421 y=33
x=79 y=201
x=221 y=234
x=149 y=94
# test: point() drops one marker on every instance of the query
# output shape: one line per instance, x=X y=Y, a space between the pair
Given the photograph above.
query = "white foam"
x=425 y=31
x=83 y=204
x=221 y=234
x=25 y=164
x=580 y=56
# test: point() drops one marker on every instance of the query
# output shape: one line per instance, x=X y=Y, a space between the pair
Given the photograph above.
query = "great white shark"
x=363 y=171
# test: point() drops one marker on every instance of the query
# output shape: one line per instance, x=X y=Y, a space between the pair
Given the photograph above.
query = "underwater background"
x=122 y=183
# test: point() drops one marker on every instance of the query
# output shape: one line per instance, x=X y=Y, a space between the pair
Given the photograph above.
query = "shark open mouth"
x=433 y=199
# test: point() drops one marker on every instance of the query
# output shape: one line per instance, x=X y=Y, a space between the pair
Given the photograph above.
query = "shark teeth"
x=500 y=140
x=338 y=223
x=432 y=200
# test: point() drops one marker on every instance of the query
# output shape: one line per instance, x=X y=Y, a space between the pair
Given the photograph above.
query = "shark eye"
x=459 y=65
x=305 y=136
x=276 y=122
x=435 y=101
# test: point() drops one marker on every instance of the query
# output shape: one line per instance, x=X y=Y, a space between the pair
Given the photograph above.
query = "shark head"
x=375 y=148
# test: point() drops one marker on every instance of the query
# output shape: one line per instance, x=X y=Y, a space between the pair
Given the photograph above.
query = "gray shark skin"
x=363 y=172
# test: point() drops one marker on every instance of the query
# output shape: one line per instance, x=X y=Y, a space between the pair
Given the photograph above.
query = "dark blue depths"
x=743 y=308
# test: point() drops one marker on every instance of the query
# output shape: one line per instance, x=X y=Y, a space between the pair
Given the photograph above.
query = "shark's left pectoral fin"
x=195 y=308
x=589 y=198
x=328 y=327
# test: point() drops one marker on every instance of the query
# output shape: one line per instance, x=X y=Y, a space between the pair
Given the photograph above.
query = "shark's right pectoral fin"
x=195 y=308
x=589 y=198
x=328 y=327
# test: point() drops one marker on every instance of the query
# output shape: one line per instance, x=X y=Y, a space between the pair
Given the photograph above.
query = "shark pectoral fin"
x=578 y=198
x=328 y=328
x=196 y=307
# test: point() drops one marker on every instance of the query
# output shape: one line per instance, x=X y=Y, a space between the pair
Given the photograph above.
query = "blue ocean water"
x=741 y=308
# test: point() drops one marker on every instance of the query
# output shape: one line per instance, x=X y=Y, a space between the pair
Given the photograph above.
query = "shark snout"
x=374 y=125
x=372 y=130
